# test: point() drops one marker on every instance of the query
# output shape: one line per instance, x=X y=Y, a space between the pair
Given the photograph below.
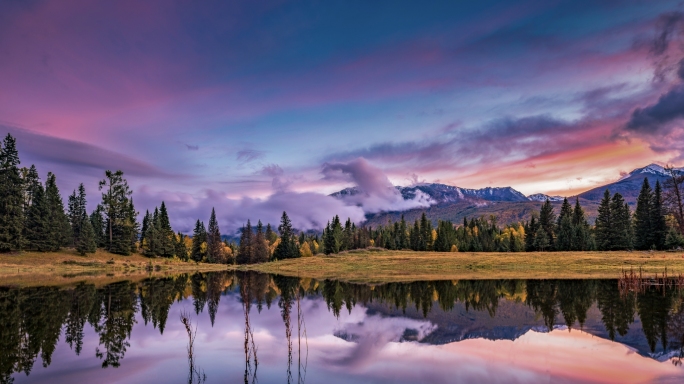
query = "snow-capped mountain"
x=542 y=197
x=442 y=193
x=651 y=169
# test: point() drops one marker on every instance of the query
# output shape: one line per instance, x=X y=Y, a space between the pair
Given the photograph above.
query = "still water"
x=257 y=328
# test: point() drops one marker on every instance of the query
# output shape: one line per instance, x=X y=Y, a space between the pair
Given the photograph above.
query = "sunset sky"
x=245 y=105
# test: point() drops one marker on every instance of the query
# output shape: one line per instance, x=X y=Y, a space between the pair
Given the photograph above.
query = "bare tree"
x=674 y=189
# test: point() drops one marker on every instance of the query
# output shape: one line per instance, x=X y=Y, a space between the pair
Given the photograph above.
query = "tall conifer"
x=643 y=226
x=11 y=197
x=658 y=223
x=214 y=243
x=604 y=224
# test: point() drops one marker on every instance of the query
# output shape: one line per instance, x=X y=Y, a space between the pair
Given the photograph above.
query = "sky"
x=259 y=107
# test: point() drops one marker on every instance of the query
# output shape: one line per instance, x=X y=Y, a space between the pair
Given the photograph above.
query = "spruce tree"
x=199 y=236
x=658 y=223
x=30 y=180
x=99 y=227
x=245 y=254
x=59 y=229
x=76 y=213
x=541 y=239
x=581 y=229
x=144 y=229
x=166 y=236
x=86 y=240
x=643 y=226
x=621 y=238
x=181 y=248
x=328 y=240
x=259 y=247
x=270 y=235
x=11 y=197
x=547 y=221
x=564 y=240
x=37 y=229
x=214 y=243
x=604 y=224
x=150 y=245
x=119 y=211
x=287 y=249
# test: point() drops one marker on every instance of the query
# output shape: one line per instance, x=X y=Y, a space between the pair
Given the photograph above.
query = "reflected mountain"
x=99 y=320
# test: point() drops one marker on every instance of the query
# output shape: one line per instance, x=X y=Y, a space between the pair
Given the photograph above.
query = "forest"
x=33 y=217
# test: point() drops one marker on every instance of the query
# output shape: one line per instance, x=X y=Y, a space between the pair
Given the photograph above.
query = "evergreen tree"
x=530 y=233
x=150 y=245
x=547 y=221
x=31 y=181
x=564 y=241
x=166 y=236
x=59 y=228
x=145 y=227
x=658 y=223
x=541 y=239
x=604 y=224
x=181 y=249
x=119 y=212
x=259 y=248
x=328 y=240
x=245 y=254
x=214 y=243
x=403 y=234
x=270 y=235
x=581 y=231
x=287 y=249
x=11 y=197
x=643 y=226
x=99 y=227
x=86 y=240
x=76 y=213
x=621 y=238
x=37 y=228
x=199 y=242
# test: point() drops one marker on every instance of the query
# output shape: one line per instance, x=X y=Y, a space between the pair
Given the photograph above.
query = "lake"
x=257 y=328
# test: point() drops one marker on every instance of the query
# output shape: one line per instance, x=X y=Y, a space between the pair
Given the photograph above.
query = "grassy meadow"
x=385 y=266
x=66 y=266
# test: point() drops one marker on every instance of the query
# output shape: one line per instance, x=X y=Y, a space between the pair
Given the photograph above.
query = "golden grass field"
x=66 y=267
x=371 y=266
x=386 y=266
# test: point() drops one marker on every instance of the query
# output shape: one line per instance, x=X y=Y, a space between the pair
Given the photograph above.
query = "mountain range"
x=507 y=204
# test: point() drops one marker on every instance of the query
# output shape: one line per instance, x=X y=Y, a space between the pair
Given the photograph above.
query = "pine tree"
x=547 y=221
x=86 y=240
x=31 y=181
x=541 y=239
x=564 y=241
x=76 y=213
x=287 y=249
x=166 y=236
x=328 y=240
x=658 y=223
x=11 y=197
x=214 y=243
x=36 y=231
x=604 y=224
x=245 y=254
x=181 y=248
x=259 y=247
x=270 y=235
x=150 y=245
x=581 y=231
x=119 y=211
x=199 y=242
x=643 y=226
x=60 y=229
x=622 y=224
x=145 y=227
x=99 y=227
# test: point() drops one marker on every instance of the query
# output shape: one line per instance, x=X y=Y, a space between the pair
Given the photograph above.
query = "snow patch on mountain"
x=542 y=197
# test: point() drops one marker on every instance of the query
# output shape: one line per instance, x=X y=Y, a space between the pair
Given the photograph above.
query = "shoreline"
x=405 y=266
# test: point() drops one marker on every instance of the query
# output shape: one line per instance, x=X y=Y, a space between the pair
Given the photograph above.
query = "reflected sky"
x=370 y=343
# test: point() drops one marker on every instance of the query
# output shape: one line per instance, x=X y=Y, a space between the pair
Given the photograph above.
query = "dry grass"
x=385 y=266
x=65 y=267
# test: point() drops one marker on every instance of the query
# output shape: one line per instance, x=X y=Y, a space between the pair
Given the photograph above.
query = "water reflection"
x=414 y=315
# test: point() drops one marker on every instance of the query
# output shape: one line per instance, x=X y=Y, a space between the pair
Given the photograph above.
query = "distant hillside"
x=630 y=185
x=507 y=204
